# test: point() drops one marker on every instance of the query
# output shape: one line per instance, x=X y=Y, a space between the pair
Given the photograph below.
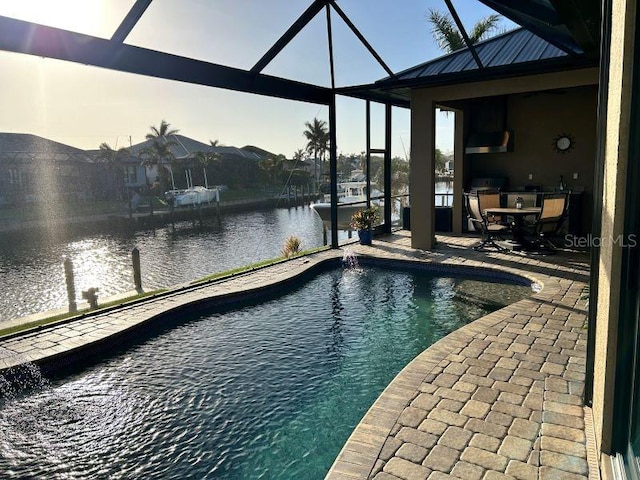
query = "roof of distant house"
x=26 y=145
x=180 y=146
x=184 y=147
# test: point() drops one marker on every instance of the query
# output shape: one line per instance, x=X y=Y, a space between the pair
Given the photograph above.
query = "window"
x=13 y=176
x=131 y=174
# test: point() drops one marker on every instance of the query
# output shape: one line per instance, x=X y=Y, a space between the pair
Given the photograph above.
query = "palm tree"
x=162 y=131
x=113 y=158
x=206 y=158
x=273 y=166
x=317 y=137
x=156 y=154
x=298 y=155
x=159 y=151
x=448 y=37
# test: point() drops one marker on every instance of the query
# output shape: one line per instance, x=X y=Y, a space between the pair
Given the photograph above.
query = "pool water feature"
x=271 y=390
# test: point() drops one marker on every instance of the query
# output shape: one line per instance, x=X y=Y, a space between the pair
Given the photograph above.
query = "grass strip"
x=216 y=276
x=255 y=266
x=80 y=313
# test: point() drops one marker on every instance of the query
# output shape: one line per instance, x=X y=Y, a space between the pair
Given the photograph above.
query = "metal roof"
x=184 y=147
x=25 y=146
x=516 y=46
x=571 y=26
x=517 y=52
x=179 y=145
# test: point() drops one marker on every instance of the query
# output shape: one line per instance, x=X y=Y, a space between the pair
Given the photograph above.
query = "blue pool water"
x=266 y=391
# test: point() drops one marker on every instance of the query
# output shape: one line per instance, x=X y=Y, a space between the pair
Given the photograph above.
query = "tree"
x=298 y=155
x=163 y=130
x=399 y=176
x=440 y=160
x=317 y=136
x=273 y=166
x=114 y=160
x=206 y=158
x=448 y=37
x=159 y=151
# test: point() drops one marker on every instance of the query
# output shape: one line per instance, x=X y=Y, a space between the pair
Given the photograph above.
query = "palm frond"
x=162 y=131
x=483 y=27
x=445 y=32
x=449 y=38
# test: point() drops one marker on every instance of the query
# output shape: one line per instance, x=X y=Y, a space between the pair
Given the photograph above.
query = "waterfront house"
x=38 y=170
x=227 y=165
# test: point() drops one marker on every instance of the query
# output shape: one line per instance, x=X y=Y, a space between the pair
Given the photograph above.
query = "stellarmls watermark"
x=588 y=241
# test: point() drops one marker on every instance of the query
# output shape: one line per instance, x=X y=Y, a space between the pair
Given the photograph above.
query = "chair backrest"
x=474 y=207
x=554 y=206
x=553 y=213
x=489 y=199
x=473 y=210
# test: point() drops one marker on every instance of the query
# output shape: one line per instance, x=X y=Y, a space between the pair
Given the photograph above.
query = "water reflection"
x=33 y=275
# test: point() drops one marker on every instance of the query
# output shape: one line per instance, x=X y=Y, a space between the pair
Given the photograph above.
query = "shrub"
x=365 y=219
x=292 y=246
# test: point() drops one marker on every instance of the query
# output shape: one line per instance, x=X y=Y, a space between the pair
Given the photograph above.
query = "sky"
x=84 y=106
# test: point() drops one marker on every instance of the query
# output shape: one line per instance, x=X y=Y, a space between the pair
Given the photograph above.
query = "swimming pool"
x=271 y=390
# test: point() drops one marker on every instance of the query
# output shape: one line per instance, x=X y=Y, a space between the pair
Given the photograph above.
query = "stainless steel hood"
x=490 y=142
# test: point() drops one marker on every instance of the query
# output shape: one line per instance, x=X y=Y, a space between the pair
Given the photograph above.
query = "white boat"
x=192 y=196
x=352 y=196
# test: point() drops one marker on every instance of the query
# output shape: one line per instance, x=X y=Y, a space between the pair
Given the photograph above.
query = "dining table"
x=518 y=242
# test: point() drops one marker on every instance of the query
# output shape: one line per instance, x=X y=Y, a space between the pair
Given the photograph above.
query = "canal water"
x=32 y=272
x=31 y=266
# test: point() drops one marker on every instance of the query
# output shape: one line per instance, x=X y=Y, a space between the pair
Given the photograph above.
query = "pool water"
x=266 y=391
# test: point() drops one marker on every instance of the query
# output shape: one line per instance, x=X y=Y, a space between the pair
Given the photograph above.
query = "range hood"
x=490 y=142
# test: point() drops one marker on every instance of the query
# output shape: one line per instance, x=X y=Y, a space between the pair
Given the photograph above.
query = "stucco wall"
x=423 y=102
x=536 y=120
x=615 y=168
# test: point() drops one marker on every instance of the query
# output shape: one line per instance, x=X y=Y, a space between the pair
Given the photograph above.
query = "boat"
x=196 y=195
x=352 y=196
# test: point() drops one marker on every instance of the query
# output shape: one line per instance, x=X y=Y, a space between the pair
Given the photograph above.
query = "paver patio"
x=498 y=398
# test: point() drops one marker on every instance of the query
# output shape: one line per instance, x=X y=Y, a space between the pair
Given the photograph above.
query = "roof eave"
x=503 y=71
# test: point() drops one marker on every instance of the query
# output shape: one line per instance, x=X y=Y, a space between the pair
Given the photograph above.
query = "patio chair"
x=549 y=222
x=489 y=225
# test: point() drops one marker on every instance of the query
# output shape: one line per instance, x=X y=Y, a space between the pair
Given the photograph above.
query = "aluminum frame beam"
x=34 y=39
x=289 y=35
x=130 y=21
x=464 y=34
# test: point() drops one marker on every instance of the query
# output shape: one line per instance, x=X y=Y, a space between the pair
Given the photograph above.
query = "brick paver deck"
x=498 y=398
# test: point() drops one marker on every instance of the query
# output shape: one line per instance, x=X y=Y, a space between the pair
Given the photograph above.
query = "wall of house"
x=609 y=277
x=536 y=119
